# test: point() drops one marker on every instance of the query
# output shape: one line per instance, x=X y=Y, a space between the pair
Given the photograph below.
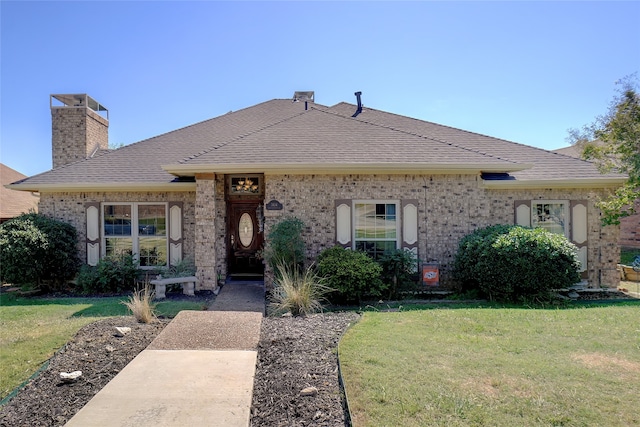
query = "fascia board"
x=107 y=187
x=342 y=168
x=555 y=183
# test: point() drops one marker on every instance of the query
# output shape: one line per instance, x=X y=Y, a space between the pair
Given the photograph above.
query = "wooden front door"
x=244 y=237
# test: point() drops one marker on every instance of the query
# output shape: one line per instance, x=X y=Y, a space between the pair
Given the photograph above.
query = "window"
x=375 y=227
x=552 y=215
x=245 y=185
x=139 y=229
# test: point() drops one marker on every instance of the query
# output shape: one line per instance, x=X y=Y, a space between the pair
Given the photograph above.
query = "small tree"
x=612 y=141
x=38 y=250
x=285 y=246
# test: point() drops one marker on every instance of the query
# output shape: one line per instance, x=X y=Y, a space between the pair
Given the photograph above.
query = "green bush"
x=285 y=245
x=36 y=249
x=470 y=250
x=399 y=271
x=183 y=268
x=518 y=264
x=353 y=274
x=112 y=275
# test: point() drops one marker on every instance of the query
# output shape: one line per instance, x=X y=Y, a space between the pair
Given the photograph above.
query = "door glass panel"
x=245 y=230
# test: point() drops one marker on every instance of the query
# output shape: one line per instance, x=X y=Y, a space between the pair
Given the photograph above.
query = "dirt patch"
x=607 y=363
x=293 y=354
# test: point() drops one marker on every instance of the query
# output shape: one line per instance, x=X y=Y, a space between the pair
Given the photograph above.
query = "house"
x=629 y=226
x=358 y=177
x=12 y=202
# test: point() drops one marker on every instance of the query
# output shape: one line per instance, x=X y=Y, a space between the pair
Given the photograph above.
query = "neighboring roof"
x=295 y=137
x=572 y=151
x=14 y=203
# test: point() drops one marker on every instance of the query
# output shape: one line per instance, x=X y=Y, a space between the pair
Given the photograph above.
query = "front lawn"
x=628 y=255
x=33 y=329
x=495 y=366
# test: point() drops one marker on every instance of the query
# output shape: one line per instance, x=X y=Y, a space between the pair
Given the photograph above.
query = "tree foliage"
x=612 y=141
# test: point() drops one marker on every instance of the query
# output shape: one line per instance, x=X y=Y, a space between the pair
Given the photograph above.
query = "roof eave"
x=342 y=168
x=105 y=186
x=604 y=182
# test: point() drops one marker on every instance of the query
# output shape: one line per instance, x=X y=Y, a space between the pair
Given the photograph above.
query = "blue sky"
x=523 y=71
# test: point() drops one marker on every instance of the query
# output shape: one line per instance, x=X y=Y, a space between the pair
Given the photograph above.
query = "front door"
x=244 y=238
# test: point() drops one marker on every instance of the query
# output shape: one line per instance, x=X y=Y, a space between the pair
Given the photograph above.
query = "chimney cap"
x=77 y=100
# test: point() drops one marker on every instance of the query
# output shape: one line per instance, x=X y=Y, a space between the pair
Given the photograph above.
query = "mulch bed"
x=293 y=354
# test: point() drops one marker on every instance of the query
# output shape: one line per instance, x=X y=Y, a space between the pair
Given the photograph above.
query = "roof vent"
x=359 y=110
x=496 y=176
x=303 y=96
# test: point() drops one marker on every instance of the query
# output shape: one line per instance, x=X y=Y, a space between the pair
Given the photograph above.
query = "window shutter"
x=92 y=213
x=410 y=227
x=343 y=223
x=175 y=232
x=579 y=230
x=522 y=213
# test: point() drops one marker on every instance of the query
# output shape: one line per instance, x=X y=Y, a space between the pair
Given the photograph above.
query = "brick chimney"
x=80 y=128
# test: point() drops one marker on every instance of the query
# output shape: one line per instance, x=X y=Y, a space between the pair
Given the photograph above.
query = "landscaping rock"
x=70 y=377
x=121 y=331
x=309 y=391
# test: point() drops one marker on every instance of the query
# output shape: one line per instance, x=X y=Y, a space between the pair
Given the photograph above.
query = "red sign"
x=430 y=275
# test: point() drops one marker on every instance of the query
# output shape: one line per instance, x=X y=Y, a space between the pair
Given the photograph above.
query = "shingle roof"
x=547 y=165
x=321 y=136
x=284 y=135
x=13 y=203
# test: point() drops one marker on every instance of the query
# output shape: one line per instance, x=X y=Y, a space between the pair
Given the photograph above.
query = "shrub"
x=113 y=274
x=399 y=272
x=36 y=249
x=521 y=264
x=470 y=250
x=141 y=306
x=297 y=292
x=285 y=245
x=353 y=274
x=184 y=268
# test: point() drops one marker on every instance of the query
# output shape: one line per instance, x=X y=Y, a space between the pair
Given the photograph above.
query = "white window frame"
x=397 y=203
x=135 y=237
x=567 y=213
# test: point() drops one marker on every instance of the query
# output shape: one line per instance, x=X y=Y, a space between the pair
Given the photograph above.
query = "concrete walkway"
x=197 y=372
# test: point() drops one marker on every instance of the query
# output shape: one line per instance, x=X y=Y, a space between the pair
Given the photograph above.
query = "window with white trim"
x=376 y=226
x=138 y=229
x=552 y=215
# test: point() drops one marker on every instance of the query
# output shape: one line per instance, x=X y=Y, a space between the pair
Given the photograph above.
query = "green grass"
x=33 y=329
x=495 y=366
x=627 y=255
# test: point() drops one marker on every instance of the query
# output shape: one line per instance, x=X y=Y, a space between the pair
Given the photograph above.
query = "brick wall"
x=76 y=133
x=630 y=229
x=450 y=207
x=70 y=208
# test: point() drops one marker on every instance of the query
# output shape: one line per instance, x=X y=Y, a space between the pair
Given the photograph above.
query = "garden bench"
x=188 y=285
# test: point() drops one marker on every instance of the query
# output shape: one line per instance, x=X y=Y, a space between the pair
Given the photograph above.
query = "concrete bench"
x=188 y=285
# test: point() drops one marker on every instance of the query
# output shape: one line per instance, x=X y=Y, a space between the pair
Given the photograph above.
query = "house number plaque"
x=274 y=205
